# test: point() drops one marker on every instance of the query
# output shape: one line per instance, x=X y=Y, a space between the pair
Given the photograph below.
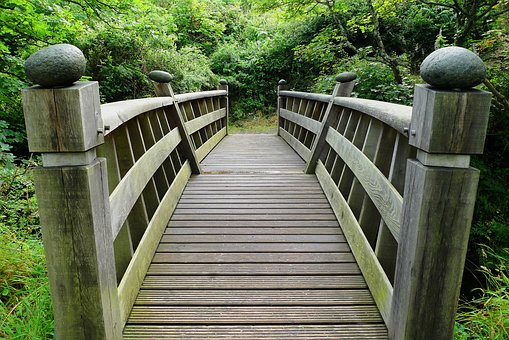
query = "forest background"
x=252 y=44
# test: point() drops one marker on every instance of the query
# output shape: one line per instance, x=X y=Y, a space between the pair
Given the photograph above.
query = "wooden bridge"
x=351 y=223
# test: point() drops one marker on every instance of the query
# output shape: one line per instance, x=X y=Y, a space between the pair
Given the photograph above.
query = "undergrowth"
x=25 y=304
x=487 y=317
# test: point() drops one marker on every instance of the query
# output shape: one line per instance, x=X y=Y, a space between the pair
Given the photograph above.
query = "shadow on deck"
x=253 y=250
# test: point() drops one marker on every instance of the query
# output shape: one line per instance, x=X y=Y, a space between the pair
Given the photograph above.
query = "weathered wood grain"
x=300 y=148
x=126 y=193
x=431 y=256
x=274 y=332
x=254 y=281
x=386 y=198
x=376 y=278
x=133 y=277
x=63 y=119
x=204 y=150
x=205 y=120
x=255 y=315
x=74 y=212
x=301 y=120
x=436 y=113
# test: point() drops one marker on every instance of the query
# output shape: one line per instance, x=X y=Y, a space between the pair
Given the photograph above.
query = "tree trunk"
x=386 y=58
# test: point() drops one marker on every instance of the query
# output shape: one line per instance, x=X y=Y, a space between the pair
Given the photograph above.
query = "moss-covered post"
x=345 y=83
x=449 y=122
x=161 y=81
x=64 y=123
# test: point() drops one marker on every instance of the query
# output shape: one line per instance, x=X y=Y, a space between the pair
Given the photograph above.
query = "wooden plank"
x=254 y=204
x=251 y=238
x=205 y=120
x=301 y=120
x=250 y=268
x=253 y=247
x=300 y=148
x=253 y=211
x=258 y=297
x=236 y=217
x=254 y=315
x=254 y=223
x=123 y=198
x=251 y=257
x=377 y=281
x=326 y=281
x=273 y=332
x=385 y=197
x=204 y=150
x=133 y=277
x=242 y=230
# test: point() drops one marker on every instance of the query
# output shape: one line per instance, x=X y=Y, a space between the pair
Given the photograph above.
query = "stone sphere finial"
x=453 y=68
x=160 y=76
x=56 y=65
x=282 y=82
x=223 y=82
x=346 y=77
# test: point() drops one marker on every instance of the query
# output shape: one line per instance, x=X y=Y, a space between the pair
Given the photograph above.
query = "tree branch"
x=500 y=98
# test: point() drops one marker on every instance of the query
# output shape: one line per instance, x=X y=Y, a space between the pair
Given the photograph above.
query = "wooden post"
x=447 y=127
x=163 y=88
x=223 y=85
x=72 y=191
x=345 y=83
x=281 y=86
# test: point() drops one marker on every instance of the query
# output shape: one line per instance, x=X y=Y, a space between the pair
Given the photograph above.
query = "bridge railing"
x=112 y=175
x=399 y=181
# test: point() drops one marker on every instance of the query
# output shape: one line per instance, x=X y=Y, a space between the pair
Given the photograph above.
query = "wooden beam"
x=301 y=120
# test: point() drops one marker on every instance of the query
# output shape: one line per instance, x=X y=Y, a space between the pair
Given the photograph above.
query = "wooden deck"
x=254 y=251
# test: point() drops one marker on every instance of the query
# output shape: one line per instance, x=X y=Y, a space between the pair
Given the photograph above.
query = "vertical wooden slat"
x=122 y=244
x=160 y=182
x=138 y=218
x=369 y=218
x=386 y=246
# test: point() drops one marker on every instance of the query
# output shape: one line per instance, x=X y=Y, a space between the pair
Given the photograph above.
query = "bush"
x=487 y=316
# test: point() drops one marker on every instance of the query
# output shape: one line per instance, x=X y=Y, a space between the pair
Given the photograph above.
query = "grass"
x=25 y=304
x=487 y=317
x=258 y=124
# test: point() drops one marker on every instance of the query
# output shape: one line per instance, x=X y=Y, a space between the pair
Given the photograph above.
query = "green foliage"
x=486 y=317
x=25 y=304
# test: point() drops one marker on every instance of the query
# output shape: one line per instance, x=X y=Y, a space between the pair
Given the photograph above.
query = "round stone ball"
x=160 y=76
x=346 y=77
x=282 y=82
x=56 y=65
x=223 y=82
x=453 y=68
